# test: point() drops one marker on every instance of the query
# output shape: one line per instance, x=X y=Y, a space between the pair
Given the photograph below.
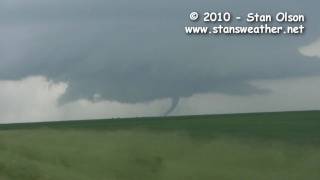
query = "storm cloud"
x=137 y=51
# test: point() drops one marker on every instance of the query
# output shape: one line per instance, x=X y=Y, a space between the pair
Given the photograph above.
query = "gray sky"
x=130 y=58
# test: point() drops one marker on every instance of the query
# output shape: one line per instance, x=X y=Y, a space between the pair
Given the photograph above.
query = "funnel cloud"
x=137 y=52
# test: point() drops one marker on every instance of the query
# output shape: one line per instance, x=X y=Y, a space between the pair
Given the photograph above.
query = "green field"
x=262 y=146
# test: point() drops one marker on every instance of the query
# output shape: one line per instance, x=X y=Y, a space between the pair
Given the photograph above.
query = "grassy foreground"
x=267 y=146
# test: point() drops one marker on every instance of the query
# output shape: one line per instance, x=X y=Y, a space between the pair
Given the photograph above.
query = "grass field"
x=263 y=146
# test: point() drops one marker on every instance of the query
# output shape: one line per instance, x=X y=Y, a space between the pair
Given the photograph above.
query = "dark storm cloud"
x=136 y=51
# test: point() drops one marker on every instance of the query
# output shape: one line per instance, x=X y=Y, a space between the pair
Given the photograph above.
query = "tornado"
x=174 y=103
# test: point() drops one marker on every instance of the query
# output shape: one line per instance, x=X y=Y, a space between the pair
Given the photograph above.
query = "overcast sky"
x=86 y=59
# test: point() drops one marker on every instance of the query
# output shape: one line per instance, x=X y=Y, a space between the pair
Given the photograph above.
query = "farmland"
x=259 y=146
